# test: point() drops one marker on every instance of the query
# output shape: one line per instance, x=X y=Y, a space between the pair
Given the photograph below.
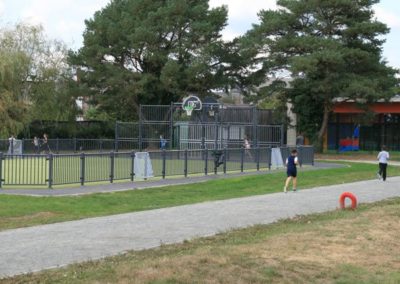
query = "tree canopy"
x=34 y=79
x=331 y=49
x=150 y=52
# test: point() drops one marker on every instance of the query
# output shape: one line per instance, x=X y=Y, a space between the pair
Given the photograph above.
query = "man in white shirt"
x=383 y=158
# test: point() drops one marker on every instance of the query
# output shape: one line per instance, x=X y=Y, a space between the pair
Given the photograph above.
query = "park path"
x=48 y=246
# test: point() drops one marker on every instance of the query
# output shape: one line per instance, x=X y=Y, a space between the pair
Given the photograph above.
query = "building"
x=379 y=124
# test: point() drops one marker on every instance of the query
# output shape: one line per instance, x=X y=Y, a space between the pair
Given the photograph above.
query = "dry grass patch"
x=337 y=247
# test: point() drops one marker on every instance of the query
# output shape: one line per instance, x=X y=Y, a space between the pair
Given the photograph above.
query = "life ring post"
x=349 y=195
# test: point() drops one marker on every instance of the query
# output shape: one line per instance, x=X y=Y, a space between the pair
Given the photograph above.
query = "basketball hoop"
x=190 y=104
x=188 y=109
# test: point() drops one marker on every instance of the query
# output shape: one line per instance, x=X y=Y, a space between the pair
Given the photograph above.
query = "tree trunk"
x=323 y=128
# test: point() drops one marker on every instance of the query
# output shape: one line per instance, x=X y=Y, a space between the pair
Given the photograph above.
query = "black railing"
x=81 y=168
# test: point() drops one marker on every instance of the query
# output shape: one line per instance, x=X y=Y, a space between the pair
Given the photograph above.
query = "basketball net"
x=189 y=109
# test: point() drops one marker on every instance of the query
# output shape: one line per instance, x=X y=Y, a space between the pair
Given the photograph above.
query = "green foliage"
x=35 y=82
x=331 y=48
x=150 y=52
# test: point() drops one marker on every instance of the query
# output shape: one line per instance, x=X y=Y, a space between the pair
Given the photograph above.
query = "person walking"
x=247 y=147
x=11 y=145
x=36 y=144
x=45 y=143
x=291 y=163
x=383 y=158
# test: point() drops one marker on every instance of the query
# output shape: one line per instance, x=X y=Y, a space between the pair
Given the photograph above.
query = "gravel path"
x=48 y=246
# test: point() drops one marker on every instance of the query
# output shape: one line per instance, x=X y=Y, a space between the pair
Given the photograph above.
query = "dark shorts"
x=291 y=173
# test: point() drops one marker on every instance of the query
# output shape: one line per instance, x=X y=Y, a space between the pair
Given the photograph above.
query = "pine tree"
x=331 y=49
x=150 y=52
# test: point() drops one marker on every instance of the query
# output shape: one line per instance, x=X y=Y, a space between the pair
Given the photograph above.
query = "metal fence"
x=60 y=169
x=74 y=145
x=215 y=126
x=183 y=135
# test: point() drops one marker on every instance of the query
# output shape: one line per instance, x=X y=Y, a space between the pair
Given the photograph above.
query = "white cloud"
x=387 y=17
x=242 y=10
x=1 y=7
x=62 y=18
x=242 y=14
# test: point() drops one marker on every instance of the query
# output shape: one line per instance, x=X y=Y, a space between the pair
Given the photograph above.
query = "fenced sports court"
x=82 y=168
x=181 y=139
x=214 y=126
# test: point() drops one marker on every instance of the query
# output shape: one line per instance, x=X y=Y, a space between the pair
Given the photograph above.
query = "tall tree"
x=331 y=49
x=150 y=52
x=35 y=79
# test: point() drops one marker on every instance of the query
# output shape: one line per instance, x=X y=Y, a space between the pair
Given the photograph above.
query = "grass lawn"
x=359 y=246
x=20 y=211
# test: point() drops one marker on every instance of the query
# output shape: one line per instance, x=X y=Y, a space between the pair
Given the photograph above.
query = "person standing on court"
x=36 y=144
x=45 y=143
x=163 y=142
x=291 y=163
x=300 y=140
x=383 y=158
x=247 y=147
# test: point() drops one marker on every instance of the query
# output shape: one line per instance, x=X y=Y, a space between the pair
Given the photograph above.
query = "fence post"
x=23 y=145
x=282 y=136
x=206 y=161
x=215 y=162
x=313 y=155
x=75 y=142
x=132 y=165
x=101 y=145
x=255 y=120
x=50 y=180
x=164 y=157
x=1 y=169
x=140 y=127
x=57 y=145
x=82 y=178
x=258 y=158
x=242 y=159
x=269 y=157
x=225 y=153
x=116 y=145
x=112 y=165
x=186 y=163
x=216 y=131
x=171 y=126
x=116 y=137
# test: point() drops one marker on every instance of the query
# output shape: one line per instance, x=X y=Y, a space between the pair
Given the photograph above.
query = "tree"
x=332 y=49
x=35 y=79
x=150 y=52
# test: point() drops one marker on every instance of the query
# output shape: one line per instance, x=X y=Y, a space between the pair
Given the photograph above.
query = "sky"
x=64 y=19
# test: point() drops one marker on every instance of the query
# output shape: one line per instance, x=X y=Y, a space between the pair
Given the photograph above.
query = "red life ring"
x=352 y=197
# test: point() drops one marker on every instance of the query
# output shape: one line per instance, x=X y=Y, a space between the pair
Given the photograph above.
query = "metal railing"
x=81 y=168
x=72 y=145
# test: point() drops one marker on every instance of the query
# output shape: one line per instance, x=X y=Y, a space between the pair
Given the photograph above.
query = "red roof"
x=349 y=107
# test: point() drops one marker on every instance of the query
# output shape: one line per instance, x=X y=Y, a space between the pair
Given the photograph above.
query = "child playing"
x=291 y=163
x=383 y=158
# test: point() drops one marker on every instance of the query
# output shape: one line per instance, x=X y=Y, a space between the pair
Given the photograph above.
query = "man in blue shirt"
x=291 y=164
x=163 y=143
